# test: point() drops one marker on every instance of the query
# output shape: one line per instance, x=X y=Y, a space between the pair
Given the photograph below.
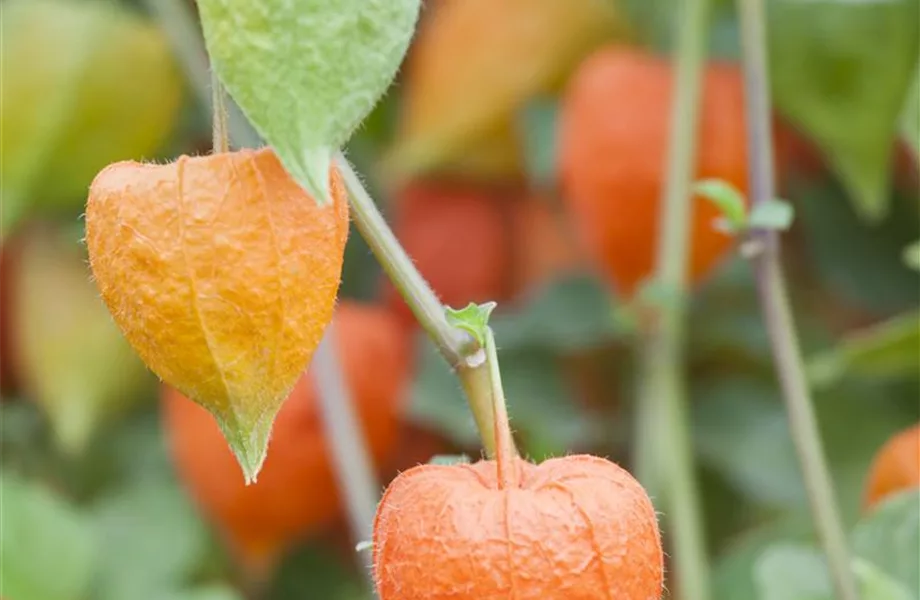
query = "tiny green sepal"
x=306 y=73
x=449 y=459
x=912 y=256
x=474 y=319
x=774 y=215
x=728 y=199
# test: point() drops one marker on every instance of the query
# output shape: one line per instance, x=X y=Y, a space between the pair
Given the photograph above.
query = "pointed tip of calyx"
x=313 y=173
x=249 y=443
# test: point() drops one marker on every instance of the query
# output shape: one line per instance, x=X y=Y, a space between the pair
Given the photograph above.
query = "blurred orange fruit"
x=614 y=133
x=296 y=494
x=543 y=244
x=896 y=467
x=473 y=66
x=458 y=235
x=222 y=273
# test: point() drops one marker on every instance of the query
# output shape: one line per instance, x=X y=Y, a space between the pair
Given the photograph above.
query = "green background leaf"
x=840 y=70
x=48 y=549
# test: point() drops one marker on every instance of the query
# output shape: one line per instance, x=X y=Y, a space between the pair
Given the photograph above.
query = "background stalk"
x=664 y=448
x=774 y=299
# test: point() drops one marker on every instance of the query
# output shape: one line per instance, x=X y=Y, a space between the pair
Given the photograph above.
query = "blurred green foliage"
x=112 y=521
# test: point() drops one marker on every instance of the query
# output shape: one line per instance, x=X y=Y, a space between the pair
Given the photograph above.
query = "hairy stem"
x=774 y=300
x=220 y=135
x=505 y=451
x=665 y=450
x=181 y=28
x=457 y=347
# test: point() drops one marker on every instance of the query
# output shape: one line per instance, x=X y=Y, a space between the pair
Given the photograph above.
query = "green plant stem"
x=181 y=28
x=665 y=452
x=505 y=450
x=457 y=347
x=220 y=136
x=346 y=443
x=777 y=312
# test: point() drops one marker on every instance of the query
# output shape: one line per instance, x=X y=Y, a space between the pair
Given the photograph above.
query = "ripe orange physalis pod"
x=614 y=132
x=577 y=527
x=222 y=273
x=896 y=467
x=572 y=528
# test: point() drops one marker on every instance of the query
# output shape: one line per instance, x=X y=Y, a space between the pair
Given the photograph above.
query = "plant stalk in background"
x=664 y=447
x=777 y=313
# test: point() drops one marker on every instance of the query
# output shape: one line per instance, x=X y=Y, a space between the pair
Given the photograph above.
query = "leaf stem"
x=776 y=308
x=505 y=450
x=664 y=450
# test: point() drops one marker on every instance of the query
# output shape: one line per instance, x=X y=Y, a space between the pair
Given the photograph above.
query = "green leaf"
x=307 y=72
x=876 y=585
x=153 y=539
x=861 y=264
x=840 y=70
x=797 y=572
x=741 y=421
x=759 y=434
x=792 y=572
x=538 y=124
x=887 y=350
x=734 y=569
x=213 y=592
x=568 y=313
x=84 y=84
x=774 y=214
x=727 y=199
x=889 y=537
x=47 y=548
x=912 y=256
x=315 y=572
x=474 y=319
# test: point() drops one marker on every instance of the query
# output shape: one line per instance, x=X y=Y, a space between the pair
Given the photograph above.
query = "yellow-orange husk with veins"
x=222 y=273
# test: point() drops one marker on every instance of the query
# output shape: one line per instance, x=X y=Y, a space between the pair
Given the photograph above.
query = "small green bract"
x=307 y=72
